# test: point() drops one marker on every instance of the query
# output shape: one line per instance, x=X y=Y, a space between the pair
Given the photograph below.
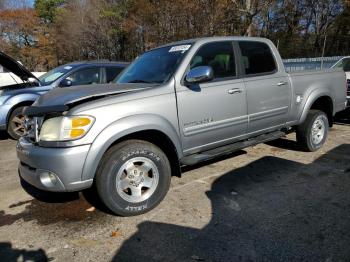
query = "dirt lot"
x=270 y=202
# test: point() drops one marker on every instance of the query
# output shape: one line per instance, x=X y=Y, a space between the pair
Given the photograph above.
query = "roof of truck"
x=216 y=38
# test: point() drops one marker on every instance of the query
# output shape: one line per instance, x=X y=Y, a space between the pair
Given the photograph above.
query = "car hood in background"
x=74 y=94
x=15 y=67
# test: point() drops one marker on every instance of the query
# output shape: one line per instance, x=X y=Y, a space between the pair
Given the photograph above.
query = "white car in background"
x=345 y=64
x=8 y=78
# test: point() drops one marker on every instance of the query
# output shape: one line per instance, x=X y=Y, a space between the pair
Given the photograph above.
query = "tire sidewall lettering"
x=145 y=153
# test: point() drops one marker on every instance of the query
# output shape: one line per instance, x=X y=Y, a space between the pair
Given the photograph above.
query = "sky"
x=19 y=3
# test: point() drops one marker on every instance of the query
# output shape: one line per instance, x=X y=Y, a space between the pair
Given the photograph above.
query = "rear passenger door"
x=215 y=112
x=268 y=90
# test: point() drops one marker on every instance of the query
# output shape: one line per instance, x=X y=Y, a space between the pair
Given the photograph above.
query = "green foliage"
x=47 y=9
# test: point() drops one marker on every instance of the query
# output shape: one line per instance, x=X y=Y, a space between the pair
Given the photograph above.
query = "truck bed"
x=326 y=81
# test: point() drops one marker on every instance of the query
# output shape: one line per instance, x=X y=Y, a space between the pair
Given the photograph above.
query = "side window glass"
x=257 y=58
x=112 y=72
x=346 y=65
x=219 y=56
x=86 y=76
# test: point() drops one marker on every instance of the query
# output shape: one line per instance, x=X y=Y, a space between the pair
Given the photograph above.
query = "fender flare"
x=313 y=96
x=19 y=99
x=121 y=128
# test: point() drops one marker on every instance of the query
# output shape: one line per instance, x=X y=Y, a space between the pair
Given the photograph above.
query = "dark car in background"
x=14 y=97
x=82 y=73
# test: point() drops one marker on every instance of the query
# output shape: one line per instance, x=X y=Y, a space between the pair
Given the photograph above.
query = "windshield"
x=51 y=76
x=155 y=66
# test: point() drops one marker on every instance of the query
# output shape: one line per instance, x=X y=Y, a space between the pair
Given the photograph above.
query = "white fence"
x=297 y=64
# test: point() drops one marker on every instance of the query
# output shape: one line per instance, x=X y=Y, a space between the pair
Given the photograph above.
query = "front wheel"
x=312 y=134
x=15 y=127
x=133 y=177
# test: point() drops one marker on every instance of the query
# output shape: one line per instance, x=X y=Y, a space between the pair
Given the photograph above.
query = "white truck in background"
x=345 y=64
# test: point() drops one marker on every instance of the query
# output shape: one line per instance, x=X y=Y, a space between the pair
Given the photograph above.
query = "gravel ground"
x=270 y=202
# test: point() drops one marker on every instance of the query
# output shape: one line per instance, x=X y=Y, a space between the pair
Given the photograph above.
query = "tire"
x=15 y=127
x=312 y=134
x=133 y=177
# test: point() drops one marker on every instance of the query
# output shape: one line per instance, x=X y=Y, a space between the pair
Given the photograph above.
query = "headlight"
x=65 y=128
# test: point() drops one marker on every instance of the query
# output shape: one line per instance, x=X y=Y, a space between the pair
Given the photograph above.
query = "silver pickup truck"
x=176 y=105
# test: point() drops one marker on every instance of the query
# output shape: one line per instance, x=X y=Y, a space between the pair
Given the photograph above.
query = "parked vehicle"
x=13 y=98
x=179 y=104
x=7 y=78
x=345 y=64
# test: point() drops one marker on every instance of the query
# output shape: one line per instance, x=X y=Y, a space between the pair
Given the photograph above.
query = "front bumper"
x=38 y=164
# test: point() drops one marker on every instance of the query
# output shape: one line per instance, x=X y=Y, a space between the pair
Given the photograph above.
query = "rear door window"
x=112 y=72
x=257 y=58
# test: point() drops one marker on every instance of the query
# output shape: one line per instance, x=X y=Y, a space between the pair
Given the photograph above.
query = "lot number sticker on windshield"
x=179 y=48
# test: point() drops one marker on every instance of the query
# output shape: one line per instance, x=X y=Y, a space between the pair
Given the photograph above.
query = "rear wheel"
x=133 y=177
x=312 y=134
x=15 y=127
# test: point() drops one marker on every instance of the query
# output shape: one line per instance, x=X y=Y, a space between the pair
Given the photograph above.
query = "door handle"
x=282 y=83
x=235 y=91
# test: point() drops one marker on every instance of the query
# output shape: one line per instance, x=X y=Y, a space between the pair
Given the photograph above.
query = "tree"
x=249 y=10
x=47 y=9
x=60 y=31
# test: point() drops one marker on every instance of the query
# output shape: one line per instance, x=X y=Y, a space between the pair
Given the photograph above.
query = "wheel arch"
x=322 y=102
x=22 y=103
x=148 y=128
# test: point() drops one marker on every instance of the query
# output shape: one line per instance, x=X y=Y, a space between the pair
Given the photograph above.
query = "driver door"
x=213 y=113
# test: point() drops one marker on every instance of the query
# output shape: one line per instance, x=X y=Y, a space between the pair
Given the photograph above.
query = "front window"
x=346 y=64
x=219 y=56
x=155 y=66
x=343 y=63
x=51 y=76
x=86 y=76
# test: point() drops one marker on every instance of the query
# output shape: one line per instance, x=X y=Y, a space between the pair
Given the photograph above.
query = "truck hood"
x=16 y=68
x=75 y=94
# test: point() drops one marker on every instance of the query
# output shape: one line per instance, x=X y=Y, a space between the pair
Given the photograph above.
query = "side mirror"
x=34 y=81
x=65 y=83
x=200 y=74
